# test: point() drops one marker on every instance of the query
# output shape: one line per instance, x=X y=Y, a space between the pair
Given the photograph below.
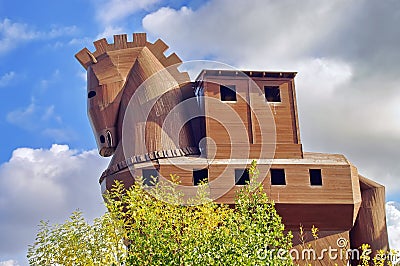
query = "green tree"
x=141 y=229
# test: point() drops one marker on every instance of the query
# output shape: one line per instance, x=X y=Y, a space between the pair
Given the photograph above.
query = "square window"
x=199 y=176
x=150 y=177
x=228 y=93
x=278 y=177
x=272 y=93
x=315 y=177
x=242 y=176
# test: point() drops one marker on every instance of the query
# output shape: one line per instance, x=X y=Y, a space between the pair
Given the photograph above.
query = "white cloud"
x=83 y=76
x=41 y=119
x=314 y=73
x=45 y=184
x=57 y=31
x=85 y=41
x=49 y=113
x=110 y=11
x=393 y=223
x=7 y=78
x=109 y=31
x=111 y=14
x=258 y=32
x=9 y=263
x=14 y=33
x=23 y=117
x=45 y=83
x=29 y=116
x=60 y=134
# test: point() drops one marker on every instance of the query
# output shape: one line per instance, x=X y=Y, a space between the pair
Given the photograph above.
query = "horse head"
x=114 y=72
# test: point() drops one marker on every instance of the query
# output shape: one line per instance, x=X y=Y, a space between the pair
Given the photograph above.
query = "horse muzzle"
x=107 y=141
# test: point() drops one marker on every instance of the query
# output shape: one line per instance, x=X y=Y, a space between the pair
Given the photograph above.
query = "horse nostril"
x=109 y=139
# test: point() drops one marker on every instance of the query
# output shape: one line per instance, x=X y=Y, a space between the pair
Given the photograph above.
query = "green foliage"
x=77 y=243
x=168 y=232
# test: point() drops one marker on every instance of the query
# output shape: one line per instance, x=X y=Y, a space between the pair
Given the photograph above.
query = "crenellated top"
x=86 y=58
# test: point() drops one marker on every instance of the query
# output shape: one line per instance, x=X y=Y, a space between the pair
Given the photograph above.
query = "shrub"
x=168 y=232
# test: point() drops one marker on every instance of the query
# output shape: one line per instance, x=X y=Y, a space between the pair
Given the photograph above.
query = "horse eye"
x=91 y=94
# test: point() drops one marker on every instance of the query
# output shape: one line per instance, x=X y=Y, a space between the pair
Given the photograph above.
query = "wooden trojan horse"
x=318 y=189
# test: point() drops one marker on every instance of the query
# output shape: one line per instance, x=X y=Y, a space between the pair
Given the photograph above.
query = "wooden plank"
x=370 y=226
x=120 y=41
x=84 y=58
x=139 y=39
x=295 y=112
x=172 y=59
x=101 y=46
x=123 y=60
x=158 y=48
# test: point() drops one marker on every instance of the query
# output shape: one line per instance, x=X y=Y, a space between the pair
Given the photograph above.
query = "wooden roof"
x=246 y=73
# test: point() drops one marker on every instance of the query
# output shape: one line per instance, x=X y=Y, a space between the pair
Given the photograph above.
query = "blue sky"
x=348 y=90
x=43 y=76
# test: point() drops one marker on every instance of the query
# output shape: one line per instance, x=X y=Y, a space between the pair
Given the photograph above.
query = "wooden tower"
x=239 y=116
